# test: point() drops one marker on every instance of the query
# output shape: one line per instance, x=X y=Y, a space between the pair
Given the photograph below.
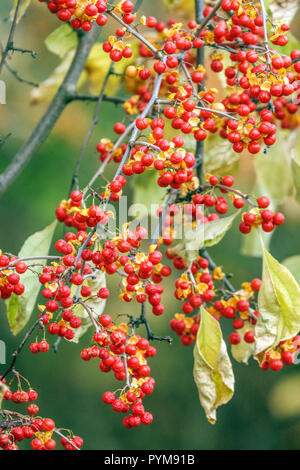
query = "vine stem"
x=55 y=109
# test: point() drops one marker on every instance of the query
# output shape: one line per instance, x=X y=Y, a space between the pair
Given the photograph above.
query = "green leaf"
x=278 y=305
x=147 y=194
x=273 y=171
x=251 y=243
x=208 y=234
x=95 y=304
x=293 y=265
x=22 y=9
x=212 y=367
x=3 y=389
x=62 y=40
x=219 y=156
x=19 y=307
x=204 y=235
x=214 y=231
x=243 y=351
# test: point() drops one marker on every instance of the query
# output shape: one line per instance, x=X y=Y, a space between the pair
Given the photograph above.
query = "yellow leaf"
x=212 y=367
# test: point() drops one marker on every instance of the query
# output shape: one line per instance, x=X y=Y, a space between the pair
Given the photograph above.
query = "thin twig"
x=92 y=127
x=10 y=39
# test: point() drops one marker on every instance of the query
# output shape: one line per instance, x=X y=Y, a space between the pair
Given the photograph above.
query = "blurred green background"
x=260 y=415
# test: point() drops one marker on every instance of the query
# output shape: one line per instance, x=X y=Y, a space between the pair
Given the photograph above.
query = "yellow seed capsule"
x=131 y=71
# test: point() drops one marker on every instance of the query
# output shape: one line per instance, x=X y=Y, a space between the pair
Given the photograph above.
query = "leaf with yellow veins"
x=278 y=305
x=213 y=372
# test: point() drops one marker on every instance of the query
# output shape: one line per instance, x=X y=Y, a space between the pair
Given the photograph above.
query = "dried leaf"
x=213 y=372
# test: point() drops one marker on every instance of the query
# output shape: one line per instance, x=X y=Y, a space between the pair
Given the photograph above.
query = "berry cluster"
x=73 y=215
x=126 y=355
x=80 y=13
x=10 y=270
x=283 y=354
x=39 y=431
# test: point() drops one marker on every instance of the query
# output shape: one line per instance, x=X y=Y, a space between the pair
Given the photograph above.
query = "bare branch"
x=47 y=122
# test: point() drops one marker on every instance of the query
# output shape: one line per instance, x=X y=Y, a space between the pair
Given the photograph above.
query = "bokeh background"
x=265 y=410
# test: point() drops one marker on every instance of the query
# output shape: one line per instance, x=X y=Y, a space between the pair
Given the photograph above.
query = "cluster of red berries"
x=125 y=355
x=70 y=213
x=10 y=270
x=283 y=354
x=196 y=287
x=38 y=430
x=80 y=13
x=186 y=328
x=263 y=217
x=20 y=397
x=285 y=112
x=175 y=166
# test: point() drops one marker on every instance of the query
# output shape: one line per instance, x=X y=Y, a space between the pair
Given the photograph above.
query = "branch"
x=22 y=344
x=90 y=314
x=47 y=122
x=135 y=33
x=10 y=36
x=92 y=98
x=92 y=127
x=208 y=17
x=142 y=320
